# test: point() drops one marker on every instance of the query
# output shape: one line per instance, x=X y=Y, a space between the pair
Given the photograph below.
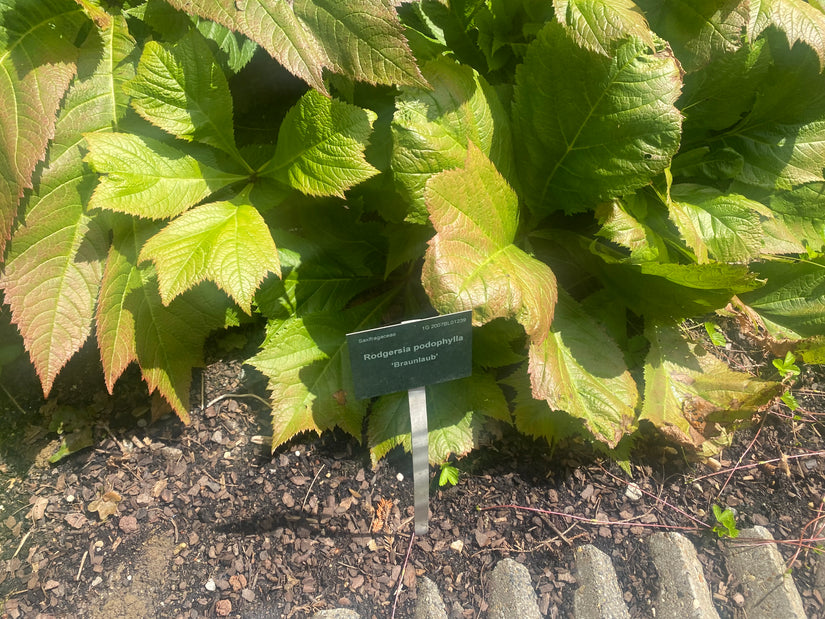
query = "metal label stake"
x=420 y=458
x=408 y=356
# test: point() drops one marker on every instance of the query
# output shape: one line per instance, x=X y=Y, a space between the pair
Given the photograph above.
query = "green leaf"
x=134 y=325
x=725 y=522
x=433 y=128
x=320 y=149
x=607 y=126
x=579 y=369
x=228 y=244
x=471 y=262
x=621 y=227
x=792 y=302
x=37 y=62
x=716 y=335
x=448 y=476
x=310 y=379
x=181 y=89
x=455 y=413
x=235 y=50
x=55 y=265
x=800 y=210
x=599 y=25
x=498 y=343
x=796 y=18
x=724 y=226
x=698 y=30
x=148 y=178
x=687 y=389
x=362 y=39
x=787 y=366
x=535 y=417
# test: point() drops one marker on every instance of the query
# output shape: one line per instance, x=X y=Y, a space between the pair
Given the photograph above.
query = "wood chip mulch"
x=204 y=522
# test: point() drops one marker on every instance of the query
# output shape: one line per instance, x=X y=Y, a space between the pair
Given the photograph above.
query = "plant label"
x=411 y=354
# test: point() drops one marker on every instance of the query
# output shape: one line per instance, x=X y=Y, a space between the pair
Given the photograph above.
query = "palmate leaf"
x=182 y=89
x=148 y=178
x=724 y=226
x=600 y=24
x=37 y=62
x=471 y=262
x=607 y=126
x=698 y=30
x=456 y=411
x=579 y=369
x=134 y=325
x=362 y=39
x=432 y=129
x=53 y=274
x=310 y=379
x=320 y=149
x=686 y=393
x=228 y=244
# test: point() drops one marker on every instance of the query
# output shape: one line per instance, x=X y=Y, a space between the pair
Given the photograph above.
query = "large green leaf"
x=310 y=379
x=148 y=178
x=800 y=209
x=688 y=389
x=320 y=149
x=471 y=262
x=134 y=325
x=432 y=129
x=535 y=417
x=606 y=127
x=792 y=302
x=796 y=18
x=698 y=30
x=455 y=414
x=362 y=39
x=37 y=62
x=181 y=89
x=228 y=244
x=724 y=226
x=600 y=24
x=579 y=369
x=53 y=274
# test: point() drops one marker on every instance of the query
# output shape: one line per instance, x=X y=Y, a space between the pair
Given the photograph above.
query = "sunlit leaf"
x=606 y=127
x=148 y=178
x=55 y=265
x=471 y=262
x=362 y=39
x=688 y=390
x=320 y=149
x=228 y=244
x=579 y=369
x=37 y=62
x=181 y=89
x=600 y=24
x=433 y=128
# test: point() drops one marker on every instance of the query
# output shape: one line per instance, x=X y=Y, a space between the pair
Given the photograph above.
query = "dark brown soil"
x=211 y=524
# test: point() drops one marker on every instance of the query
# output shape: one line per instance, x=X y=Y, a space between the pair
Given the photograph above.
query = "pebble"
x=210 y=585
x=400 y=477
x=457 y=545
x=633 y=492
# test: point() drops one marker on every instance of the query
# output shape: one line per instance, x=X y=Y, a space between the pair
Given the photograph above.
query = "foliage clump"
x=582 y=175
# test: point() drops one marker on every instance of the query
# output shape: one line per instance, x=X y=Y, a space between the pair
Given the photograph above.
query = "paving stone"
x=428 y=603
x=511 y=592
x=683 y=590
x=598 y=595
x=769 y=592
x=336 y=613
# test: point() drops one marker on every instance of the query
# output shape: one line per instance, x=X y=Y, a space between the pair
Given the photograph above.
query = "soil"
x=200 y=520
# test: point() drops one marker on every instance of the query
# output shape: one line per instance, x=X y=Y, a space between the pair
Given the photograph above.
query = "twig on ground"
x=227 y=396
x=742 y=457
x=13 y=401
x=306 y=496
x=82 y=563
x=22 y=541
x=401 y=576
x=808 y=454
